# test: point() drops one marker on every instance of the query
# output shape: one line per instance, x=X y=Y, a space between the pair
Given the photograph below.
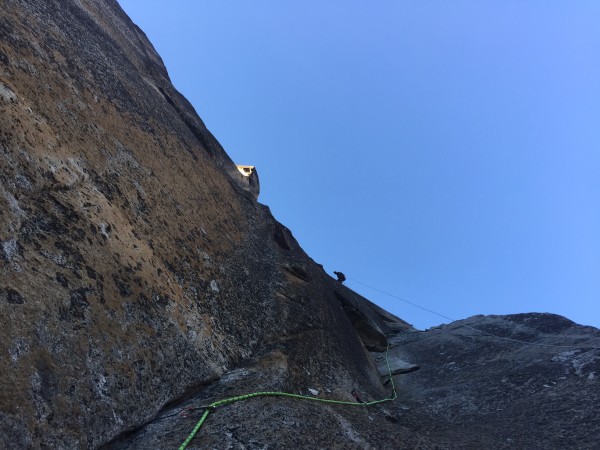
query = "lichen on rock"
x=139 y=278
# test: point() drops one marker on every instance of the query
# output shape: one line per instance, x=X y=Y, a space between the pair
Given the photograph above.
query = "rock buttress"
x=134 y=269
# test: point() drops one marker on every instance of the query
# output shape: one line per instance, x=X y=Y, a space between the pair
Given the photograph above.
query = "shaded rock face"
x=372 y=323
x=469 y=391
x=478 y=391
x=135 y=268
x=139 y=277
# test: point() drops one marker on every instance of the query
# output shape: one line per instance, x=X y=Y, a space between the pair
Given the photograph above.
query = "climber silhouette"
x=340 y=276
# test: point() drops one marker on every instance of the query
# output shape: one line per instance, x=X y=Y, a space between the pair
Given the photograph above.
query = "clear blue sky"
x=446 y=152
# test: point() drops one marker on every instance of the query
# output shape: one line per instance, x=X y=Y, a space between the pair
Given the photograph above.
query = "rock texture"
x=478 y=391
x=139 y=276
x=134 y=266
x=472 y=391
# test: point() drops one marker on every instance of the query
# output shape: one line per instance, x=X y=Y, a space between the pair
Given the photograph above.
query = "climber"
x=340 y=276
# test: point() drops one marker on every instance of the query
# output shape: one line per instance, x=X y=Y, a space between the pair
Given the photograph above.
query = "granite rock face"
x=135 y=267
x=533 y=385
x=474 y=390
x=140 y=277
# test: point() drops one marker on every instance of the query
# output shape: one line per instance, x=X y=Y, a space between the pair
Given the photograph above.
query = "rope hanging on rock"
x=227 y=401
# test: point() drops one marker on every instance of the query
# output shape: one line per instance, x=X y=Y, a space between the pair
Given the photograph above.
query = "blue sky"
x=446 y=152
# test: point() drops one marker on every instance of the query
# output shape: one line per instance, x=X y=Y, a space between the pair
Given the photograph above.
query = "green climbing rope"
x=230 y=400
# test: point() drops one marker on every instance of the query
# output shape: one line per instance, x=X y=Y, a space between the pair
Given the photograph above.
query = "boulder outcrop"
x=141 y=279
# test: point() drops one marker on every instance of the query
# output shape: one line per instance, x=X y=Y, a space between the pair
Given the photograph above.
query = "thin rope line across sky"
x=467 y=325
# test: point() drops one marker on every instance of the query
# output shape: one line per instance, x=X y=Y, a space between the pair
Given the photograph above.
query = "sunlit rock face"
x=248 y=179
x=139 y=276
